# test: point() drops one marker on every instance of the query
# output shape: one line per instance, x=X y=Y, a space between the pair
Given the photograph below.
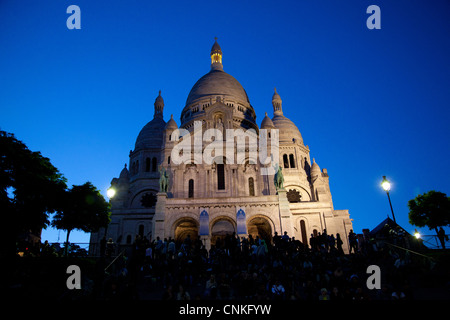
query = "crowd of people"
x=275 y=268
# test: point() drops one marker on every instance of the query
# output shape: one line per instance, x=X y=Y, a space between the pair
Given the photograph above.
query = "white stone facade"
x=208 y=200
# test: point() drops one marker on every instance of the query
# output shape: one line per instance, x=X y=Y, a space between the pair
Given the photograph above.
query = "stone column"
x=158 y=225
x=285 y=213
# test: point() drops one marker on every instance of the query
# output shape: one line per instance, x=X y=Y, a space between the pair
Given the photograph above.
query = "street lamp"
x=417 y=234
x=386 y=185
x=111 y=192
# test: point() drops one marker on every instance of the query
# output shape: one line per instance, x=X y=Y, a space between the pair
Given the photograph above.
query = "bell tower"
x=276 y=102
x=159 y=106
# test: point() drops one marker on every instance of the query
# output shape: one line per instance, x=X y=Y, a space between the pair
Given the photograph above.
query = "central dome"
x=217 y=86
x=214 y=83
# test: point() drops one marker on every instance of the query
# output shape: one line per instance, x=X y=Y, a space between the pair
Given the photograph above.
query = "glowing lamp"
x=385 y=184
x=111 y=192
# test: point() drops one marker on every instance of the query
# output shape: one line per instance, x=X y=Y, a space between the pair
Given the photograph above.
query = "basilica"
x=182 y=180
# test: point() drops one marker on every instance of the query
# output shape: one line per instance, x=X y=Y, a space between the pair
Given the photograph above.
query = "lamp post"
x=111 y=192
x=386 y=185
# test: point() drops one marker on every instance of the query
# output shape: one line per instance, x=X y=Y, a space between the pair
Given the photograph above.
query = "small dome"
x=171 y=124
x=124 y=174
x=266 y=123
x=315 y=169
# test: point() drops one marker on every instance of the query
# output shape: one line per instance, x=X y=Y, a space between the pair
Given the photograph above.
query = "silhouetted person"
x=339 y=243
x=353 y=242
x=168 y=294
x=110 y=247
x=103 y=246
x=442 y=237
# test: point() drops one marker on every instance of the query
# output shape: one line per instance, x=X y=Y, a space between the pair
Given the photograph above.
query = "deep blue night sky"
x=367 y=102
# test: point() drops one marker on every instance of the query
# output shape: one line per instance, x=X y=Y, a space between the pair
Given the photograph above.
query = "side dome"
x=152 y=134
x=288 y=131
x=124 y=174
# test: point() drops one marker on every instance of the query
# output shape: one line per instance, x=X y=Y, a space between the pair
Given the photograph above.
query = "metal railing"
x=83 y=249
x=409 y=250
x=407 y=256
x=75 y=249
x=433 y=242
x=117 y=257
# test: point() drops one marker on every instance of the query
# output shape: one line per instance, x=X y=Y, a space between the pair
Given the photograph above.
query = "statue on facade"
x=163 y=179
x=279 y=179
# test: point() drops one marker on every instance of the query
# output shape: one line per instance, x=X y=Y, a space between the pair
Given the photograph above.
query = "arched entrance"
x=260 y=227
x=220 y=229
x=185 y=227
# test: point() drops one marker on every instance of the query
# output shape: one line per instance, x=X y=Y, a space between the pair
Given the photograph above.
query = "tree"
x=84 y=209
x=30 y=188
x=431 y=209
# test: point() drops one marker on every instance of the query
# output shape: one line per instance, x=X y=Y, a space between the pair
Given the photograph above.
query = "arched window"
x=154 y=164
x=137 y=166
x=147 y=165
x=168 y=160
x=128 y=239
x=251 y=186
x=191 y=188
x=291 y=160
x=285 y=161
x=220 y=176
x=141 y=230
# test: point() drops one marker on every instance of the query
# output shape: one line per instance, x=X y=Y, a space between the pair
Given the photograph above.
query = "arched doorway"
x=260 y=227
x=220 y=229
x=185 y=227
